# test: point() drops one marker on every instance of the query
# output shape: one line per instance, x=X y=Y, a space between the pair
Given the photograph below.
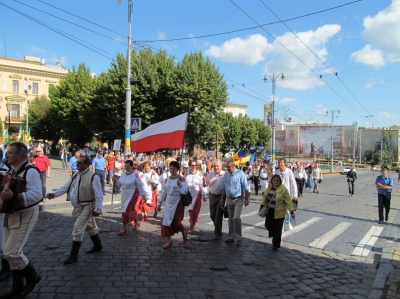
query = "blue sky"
x=335 y=55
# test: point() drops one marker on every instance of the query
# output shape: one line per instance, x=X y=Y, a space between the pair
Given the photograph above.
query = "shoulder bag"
x=263 y=211
x=186 y=199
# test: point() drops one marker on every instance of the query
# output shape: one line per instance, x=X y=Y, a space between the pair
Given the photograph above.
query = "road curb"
x=386 y=263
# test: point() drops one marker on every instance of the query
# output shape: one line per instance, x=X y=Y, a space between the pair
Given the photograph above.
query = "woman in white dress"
x=129 y=182
x=152 y=179
x=174 y=186
x=195 y=182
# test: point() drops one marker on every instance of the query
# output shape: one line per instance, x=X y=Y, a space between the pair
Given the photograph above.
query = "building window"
x=35 y=88
x=50 y=86
x=15 y=111
x=15 y=86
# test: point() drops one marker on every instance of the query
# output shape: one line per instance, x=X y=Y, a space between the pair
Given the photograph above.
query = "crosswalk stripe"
x=241 y=216
x=364 y=247
x=301 y=226
x=321 y=242
x=257 y=225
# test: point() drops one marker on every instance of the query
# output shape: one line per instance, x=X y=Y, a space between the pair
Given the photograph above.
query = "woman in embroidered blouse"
x=152 y=179
x=174 y=186
x=130 y=182
x=195 y=184
x=279 y=201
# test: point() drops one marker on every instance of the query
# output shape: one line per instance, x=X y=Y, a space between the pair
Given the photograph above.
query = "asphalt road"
x=337 y=249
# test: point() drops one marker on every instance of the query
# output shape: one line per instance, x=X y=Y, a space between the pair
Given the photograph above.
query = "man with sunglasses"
x=84 y=190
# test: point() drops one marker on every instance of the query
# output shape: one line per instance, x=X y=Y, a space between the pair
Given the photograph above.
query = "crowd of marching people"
x=147 y=184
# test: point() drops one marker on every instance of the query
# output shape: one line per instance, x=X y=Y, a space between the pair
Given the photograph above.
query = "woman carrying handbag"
x=278 y=200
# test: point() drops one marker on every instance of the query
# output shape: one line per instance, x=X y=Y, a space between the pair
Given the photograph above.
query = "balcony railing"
x=13 y=119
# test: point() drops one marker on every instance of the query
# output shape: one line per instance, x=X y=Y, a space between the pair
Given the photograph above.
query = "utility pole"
x=273 y=79
x=333 y=116
x=355 y=143
x=359 y=147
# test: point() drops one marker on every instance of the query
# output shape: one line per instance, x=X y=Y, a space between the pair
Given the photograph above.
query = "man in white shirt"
x=214 y=181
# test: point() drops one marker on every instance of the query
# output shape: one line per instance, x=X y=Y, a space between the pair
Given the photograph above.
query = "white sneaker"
x=290 y=226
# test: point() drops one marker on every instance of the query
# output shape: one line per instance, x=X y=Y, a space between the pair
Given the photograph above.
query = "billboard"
x=268 y=115
x=317 y=140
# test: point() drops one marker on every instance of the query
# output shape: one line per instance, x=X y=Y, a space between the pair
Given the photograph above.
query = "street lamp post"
x=128 y=99
x=273 y=79
x=332 y=115
x=27 y=88
x=9 y=108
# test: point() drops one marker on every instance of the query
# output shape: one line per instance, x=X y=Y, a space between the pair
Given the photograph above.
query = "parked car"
x=395 y=166
x=346 y=169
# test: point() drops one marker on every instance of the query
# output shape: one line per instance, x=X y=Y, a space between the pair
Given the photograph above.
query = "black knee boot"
x=17 y=285
x=5 y=269
x=96 y=244
x=73 y=256
x=32 y=278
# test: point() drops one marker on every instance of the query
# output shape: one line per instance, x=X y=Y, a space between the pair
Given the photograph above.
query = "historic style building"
x=20 y=82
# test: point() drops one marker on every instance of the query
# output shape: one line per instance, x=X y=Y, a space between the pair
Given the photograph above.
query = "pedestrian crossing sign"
x=136 y=124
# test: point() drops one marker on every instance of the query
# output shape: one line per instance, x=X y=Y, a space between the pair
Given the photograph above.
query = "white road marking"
x=364 y=247
x=301 y=226
x=257 y=225
x=321 y=242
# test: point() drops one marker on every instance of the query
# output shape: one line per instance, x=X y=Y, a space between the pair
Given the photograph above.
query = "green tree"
x=41 y=123
x=249 y=134
x=386 y=146
x=199 y=89
x=69 y=100
x=229 y=132
x=263 y=133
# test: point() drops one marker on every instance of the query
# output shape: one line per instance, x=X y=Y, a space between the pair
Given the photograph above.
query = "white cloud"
x=370 y=56
x=382 y=34
x=256 y=48
x=35 y=49
x=161 y=35
x=320 y=109
x=288 y=100
x=249 y=51
x=372 y=82
x=298 y=70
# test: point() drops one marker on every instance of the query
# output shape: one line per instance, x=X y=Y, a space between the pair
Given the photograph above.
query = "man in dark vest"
x=21 y=216
x=85 y=193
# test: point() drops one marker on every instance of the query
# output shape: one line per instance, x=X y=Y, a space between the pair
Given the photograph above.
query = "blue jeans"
x=351 y=187
x=101 y=175
x=110 y=174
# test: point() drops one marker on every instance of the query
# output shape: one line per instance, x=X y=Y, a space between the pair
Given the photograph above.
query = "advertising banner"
x=268 y=115
x=316 y=140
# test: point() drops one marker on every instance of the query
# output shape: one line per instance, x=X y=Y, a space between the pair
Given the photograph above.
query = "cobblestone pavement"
x=136 y=266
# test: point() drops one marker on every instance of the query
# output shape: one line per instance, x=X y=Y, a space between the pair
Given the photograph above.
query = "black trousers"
x=274 y=227
x=384 y=203
x=216 y=213
x=300 y=185
x=255 y=182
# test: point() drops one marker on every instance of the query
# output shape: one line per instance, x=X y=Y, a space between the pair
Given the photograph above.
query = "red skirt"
x=194 y=214
x=147 y=207
x=134 y=208
x=176 y=225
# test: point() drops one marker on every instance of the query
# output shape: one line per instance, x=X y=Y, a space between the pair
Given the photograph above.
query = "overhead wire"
x=65 y=34
x=298 y=58
x=69 y=22
x=137 y=43
x=250 y=28
x=322 y=61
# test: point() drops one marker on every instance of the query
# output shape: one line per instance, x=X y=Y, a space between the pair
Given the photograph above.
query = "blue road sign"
x=136 y=124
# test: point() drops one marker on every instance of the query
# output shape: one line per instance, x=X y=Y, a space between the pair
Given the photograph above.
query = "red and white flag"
x=169 y=133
